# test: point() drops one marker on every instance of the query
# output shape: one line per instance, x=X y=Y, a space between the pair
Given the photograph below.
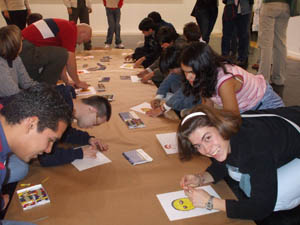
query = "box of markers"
x=33 y=196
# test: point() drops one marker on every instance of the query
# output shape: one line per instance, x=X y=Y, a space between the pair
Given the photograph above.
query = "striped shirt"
x=252 y=90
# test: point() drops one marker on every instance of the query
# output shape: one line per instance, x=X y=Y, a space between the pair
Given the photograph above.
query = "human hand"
x=155 y=103
x=28 y=11
x=191 y=180
x=142 y=73
x=155 y=112
x=89 y=151
x=147 y=77
x=5 y=198
x=6 y=14
x=198 y=197
x=81 y=84
x=138 y=62
x=128 y=57
x=90 y=10
x=96 y=143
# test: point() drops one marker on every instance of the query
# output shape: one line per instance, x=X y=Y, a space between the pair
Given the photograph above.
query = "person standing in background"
x=15 y=12
x=237 y=15
x=273 y=22
x=113 y=13
x=79 y=9
x=206 y=13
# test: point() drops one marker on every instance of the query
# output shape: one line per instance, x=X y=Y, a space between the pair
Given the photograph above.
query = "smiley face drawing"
x=182 y=204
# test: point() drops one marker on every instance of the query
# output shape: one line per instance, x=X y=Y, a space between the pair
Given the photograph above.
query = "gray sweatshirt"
x=13 y=79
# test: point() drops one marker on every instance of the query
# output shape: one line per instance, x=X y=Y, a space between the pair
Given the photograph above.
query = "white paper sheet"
x=135 y=79
x=142 y=108
x=83 y=164
x=90 y=91
x=174 y=214
x=168 y=142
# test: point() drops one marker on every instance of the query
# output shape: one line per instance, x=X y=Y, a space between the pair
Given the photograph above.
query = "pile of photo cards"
x=136 y=157
x=33 y=196
x=131 y=120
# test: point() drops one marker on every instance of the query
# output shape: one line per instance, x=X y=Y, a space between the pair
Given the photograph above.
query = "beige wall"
x=133 y=11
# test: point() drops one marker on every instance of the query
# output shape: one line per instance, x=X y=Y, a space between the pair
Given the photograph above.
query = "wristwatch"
x=209 y=205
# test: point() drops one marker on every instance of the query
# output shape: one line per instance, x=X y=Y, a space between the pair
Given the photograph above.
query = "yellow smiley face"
x=182 y=204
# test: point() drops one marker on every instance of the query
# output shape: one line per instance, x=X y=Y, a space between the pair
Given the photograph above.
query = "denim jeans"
x=10 y=222
x=114 y=27
x=17 y=169
x=241 y=23
x=270 y=100
x=206 y=19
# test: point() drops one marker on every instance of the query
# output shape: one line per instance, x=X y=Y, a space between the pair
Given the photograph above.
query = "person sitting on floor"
x=150 y=51
x=14 y=76
x=216 y=80
x=166 y=36
x=191 y=32
x=169 y=95
x=260 y=151
x=29 y=125
x=88 y=112
x=60 y=33
x=158 y=21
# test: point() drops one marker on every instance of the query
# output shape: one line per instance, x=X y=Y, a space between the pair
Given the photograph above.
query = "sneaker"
x=120 y=46
x=107 y=46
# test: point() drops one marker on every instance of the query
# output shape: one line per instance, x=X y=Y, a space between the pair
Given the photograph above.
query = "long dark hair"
x=205 y=63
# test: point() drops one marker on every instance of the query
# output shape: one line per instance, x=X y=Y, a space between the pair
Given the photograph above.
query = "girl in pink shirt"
x=214 y=79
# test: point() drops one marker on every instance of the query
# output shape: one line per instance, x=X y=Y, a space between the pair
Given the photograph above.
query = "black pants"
x=17 y=17
x=82 y=13
x=206 y=19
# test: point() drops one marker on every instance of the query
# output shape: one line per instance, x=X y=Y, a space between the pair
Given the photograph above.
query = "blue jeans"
x=270 y=100
x=206 y=19
x=179 y=101
x=114 y=27
x=241 y=24
x=10 y=222
x=17 y=169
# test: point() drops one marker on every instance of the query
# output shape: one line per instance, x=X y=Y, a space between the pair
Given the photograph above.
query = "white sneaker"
x=121 y=46
x=106 y=46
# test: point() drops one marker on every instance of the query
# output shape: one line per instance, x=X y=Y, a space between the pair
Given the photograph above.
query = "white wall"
x=175 y=11
x=293 y=37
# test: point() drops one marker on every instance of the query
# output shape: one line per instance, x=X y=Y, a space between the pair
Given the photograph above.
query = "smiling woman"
x=259 y=152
